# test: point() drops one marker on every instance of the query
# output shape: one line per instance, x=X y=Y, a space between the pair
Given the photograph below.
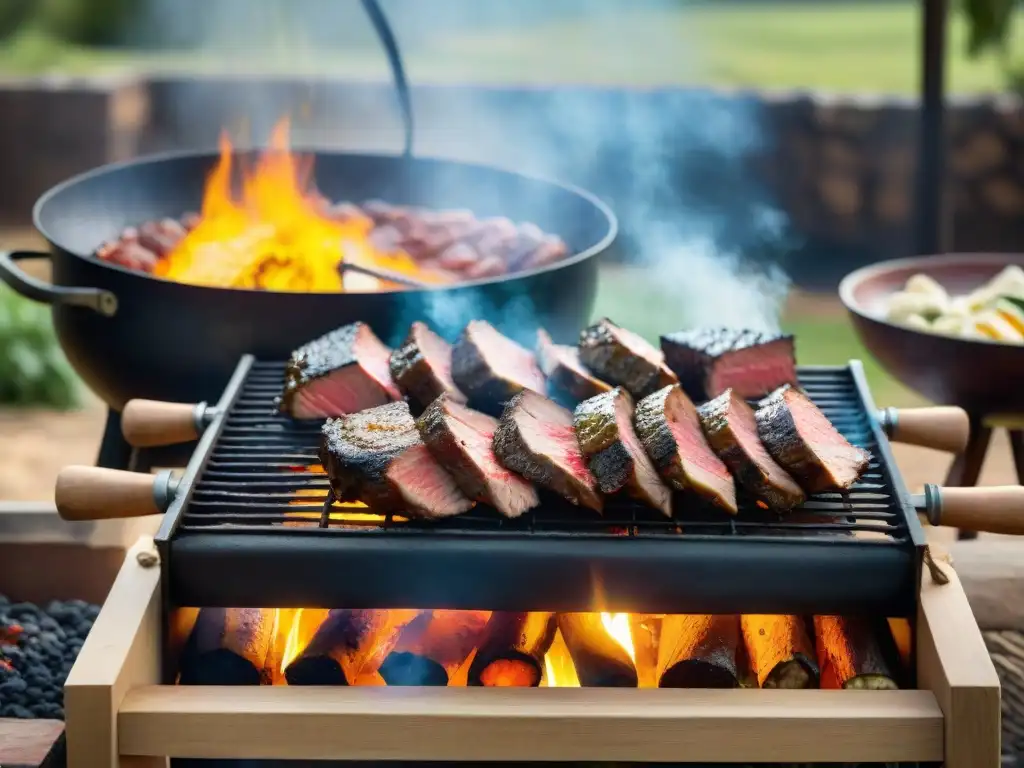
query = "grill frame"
x=507 y=569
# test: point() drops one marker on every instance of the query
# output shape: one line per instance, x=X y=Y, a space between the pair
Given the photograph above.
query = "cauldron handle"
x=96 y=299
x=387 y=38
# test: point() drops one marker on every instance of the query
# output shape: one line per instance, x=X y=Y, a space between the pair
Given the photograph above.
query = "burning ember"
x=275 y=234
x=309 y=646
x=267 y=227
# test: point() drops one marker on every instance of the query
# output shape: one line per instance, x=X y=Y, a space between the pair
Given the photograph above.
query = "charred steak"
x=535 y=438
x=669 y=428
x=731 y=429
x=709 y=361
x=623 y=359
x=564 y=370
x=460 y=439
x=604 y=429
x=377 y=457
x=344 y=371
x=491 y=368
x=422 y=367
x=802 y=439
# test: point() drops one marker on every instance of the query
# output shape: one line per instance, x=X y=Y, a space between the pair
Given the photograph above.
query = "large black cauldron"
x=129 y=334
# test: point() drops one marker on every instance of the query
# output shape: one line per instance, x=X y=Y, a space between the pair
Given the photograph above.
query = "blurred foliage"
x=87 y=22
x=990 y=30
x=14 y=14
x=33 y=369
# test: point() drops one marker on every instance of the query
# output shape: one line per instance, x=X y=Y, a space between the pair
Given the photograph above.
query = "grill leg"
x=114 y=453
x=1017 y=444
x=967 y=467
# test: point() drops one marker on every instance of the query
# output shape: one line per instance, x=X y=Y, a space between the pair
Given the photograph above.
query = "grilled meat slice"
x=731 y=429
x=669 y=428
x=491 y=368
x=377 y=457
x=624 y=359
x=561 y=364
x=460 y=440
x=802 y=439
x=604 y=429
x=342 y=372
x=535 y=438
x=422 y=367
x=709 y=361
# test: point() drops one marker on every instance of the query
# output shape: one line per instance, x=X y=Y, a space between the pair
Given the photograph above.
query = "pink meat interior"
x=744 y=426
x=425 y=485
x=475 y=432
x=646 y=474
x=347 y=390
x=375 y=358
x=700 y=462
x=753 y=372
x=438 y=354
x=550 y=434
x=508 y=360
x=843 y=460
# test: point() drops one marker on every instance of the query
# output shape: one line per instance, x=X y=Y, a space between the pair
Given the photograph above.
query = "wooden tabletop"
x=31 y=743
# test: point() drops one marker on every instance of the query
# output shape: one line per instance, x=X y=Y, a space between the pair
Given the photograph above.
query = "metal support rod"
x=932 y=227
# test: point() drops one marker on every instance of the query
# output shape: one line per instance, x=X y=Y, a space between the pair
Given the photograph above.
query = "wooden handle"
x=986 y=509
x=151 y=423
x=942 y=427
x=95 y=493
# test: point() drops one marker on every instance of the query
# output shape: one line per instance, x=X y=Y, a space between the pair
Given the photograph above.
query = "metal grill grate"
x=260 y=489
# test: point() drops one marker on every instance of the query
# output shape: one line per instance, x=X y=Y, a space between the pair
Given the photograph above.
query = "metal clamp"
x=203 y=415
x=932 y=503
x=888 y=420
x=165 y=488
x=96 y=299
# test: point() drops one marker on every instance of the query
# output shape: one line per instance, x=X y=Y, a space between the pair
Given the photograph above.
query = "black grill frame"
x=551 y=561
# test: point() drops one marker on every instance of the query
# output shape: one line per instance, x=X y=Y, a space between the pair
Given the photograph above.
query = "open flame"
x=275 y=233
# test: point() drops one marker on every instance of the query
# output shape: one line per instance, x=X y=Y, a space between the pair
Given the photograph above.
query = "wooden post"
x=121 y=652
x=932 y=225
x=953 y=662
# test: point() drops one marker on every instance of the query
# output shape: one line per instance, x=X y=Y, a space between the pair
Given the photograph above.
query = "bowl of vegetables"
x=949 y=327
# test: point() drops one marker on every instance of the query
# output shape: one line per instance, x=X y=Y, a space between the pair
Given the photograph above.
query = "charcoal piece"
x=669 y=427
x=433 y=647
x=600 y=660
x=623 y=359
x=344 y=371
x=850 y=656
x=377 y=457
x=228 y=646
x=699 y=651
x=604 y=430
x=512 y=652
x=731 y=429
x=780 y=650
x=709 y=361
x=804 y=442
x=422 y=367
x=535 y=438
x=461 y=439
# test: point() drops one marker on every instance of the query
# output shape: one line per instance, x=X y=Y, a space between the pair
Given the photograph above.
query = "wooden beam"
x=535 y=724
x=31 y=743
x=954 y=664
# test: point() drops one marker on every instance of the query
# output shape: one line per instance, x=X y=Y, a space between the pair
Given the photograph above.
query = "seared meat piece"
x=342 y=372
x=460 y=440
x=377 y=457
x=709 y=361
x=731 y=429
x=624 y=359
x=422 y=367
x=802 y=439
x=604 y=429
x=561 y=364
x=491 y=368
x=535 y=438
x=669 y=428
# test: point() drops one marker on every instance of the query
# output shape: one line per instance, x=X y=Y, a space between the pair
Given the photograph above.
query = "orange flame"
x=275 y=235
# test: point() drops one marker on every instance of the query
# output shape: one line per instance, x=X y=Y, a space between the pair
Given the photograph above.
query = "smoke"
x=675 y=165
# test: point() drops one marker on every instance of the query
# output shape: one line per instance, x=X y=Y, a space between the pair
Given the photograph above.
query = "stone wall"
x=841 y=170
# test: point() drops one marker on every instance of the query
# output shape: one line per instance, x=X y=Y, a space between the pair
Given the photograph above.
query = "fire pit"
x=253 y=504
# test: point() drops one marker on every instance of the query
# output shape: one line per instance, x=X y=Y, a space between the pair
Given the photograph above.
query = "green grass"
x=634 y=299
x=839 y=46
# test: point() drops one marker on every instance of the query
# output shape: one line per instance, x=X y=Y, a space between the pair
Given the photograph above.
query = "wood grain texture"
x=531 y=724
x=31 y=743
x=953 y=663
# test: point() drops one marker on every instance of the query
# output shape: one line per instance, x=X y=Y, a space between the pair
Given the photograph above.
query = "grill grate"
x=259 y=488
